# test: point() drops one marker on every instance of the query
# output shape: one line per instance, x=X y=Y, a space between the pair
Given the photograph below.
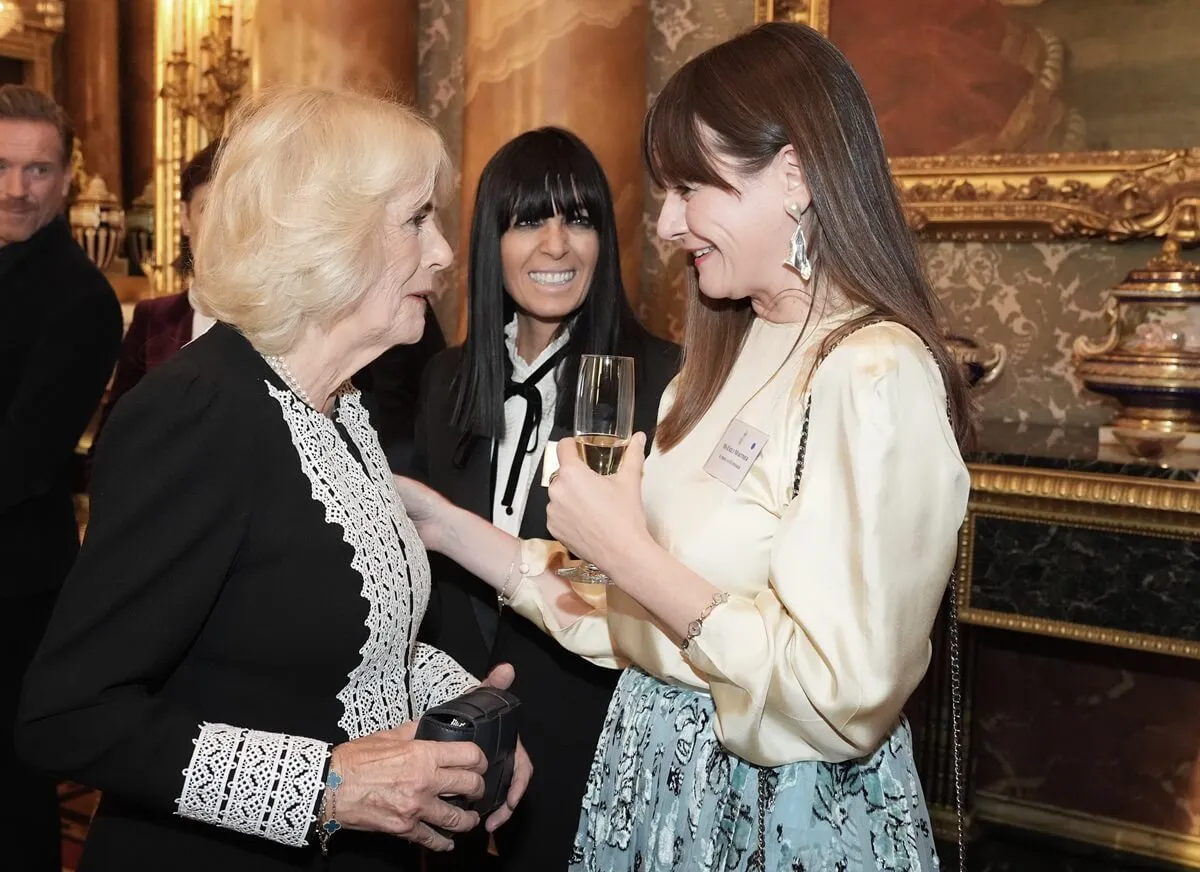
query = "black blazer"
x=59 y=337
x=564 y=698
x=214 y=587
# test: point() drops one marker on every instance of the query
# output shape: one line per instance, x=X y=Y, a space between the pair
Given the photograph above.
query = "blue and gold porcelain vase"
x=1150 y=360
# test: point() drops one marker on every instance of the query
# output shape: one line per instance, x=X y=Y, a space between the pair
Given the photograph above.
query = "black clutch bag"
x=487 y=717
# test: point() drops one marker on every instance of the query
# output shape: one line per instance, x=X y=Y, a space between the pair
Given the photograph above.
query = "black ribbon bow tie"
x=527 y=440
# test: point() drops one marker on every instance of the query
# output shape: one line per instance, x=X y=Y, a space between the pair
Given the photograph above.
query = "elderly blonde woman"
x=233 y=660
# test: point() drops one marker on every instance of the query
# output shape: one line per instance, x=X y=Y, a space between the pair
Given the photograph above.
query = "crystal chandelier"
x=10 y=17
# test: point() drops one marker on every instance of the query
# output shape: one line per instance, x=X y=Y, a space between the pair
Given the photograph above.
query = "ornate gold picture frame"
x=1113 y=195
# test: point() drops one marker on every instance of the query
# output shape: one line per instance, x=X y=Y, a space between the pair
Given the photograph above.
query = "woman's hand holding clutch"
x=501 y=677
x=392 y=783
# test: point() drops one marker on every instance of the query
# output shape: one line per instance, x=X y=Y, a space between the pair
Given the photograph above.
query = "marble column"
x=364 y=44
x=579 y=65
x=91 y=89
x=137 y=95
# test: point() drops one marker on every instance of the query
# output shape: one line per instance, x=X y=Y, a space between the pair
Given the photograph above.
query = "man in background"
x=60 y=328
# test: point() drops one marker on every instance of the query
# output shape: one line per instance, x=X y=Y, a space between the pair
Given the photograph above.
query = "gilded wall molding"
x=1092 y=829
x=1104 y=490
x=1036 y=501
x=1114 y=195
x=1111 y=195
x=1080 y=633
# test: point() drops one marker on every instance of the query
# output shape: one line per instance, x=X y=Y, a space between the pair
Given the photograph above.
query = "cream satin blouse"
x=833 y=593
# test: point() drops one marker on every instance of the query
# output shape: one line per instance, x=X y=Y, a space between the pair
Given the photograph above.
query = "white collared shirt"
x=200 y=322
x=514 y=416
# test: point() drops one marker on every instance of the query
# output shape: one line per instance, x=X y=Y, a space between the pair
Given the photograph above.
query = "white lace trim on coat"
x=394 y=682
x=261 y=784
x=267 y=783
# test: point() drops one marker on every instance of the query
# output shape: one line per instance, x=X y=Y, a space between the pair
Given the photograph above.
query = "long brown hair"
x=771 y=86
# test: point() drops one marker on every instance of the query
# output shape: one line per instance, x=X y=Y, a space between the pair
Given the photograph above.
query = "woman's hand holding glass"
x=598 y=517
x=604 y=404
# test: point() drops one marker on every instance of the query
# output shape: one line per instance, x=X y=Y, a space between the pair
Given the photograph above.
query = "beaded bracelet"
x=697 y=625
x=327 y=816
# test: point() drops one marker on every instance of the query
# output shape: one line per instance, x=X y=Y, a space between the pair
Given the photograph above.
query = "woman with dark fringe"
x=544 y=287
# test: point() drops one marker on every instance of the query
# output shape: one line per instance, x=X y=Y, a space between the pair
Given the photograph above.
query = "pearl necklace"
x=285 y=372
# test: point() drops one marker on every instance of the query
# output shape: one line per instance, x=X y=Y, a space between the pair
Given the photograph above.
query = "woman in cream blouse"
x=778 y=562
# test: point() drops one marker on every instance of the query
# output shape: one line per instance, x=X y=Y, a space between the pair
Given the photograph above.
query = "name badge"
x=549 y=462
x=735 y=453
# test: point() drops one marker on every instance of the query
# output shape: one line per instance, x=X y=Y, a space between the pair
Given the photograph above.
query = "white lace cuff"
x=435 y=678
x=261 y=784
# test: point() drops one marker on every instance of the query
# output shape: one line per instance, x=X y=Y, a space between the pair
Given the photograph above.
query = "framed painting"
x=1022 y=119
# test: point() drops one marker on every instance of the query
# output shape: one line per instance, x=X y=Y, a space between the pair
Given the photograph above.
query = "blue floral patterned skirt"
x=664 y=795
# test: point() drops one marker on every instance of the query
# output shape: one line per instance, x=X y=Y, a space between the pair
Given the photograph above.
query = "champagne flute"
x=603 y=428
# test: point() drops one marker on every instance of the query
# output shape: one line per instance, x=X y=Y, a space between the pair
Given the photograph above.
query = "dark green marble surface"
x=1076 y=449
x=1102 y=578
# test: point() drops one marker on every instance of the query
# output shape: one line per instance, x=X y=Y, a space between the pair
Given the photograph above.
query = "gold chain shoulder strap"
x=825 y=352
x=956 y=704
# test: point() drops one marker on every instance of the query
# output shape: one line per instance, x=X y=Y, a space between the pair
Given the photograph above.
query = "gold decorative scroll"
x=1113 y=195
x=201 y=70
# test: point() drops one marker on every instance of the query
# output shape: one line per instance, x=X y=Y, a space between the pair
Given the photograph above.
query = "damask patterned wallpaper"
x=1033 y=298
x=442 y=36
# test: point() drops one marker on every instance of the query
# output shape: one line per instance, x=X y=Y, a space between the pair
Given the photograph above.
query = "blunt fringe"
x=774 y=85
x=537 y=175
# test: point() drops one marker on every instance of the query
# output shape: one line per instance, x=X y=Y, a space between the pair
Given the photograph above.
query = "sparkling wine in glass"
x=603 y=428
x=602 y=453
